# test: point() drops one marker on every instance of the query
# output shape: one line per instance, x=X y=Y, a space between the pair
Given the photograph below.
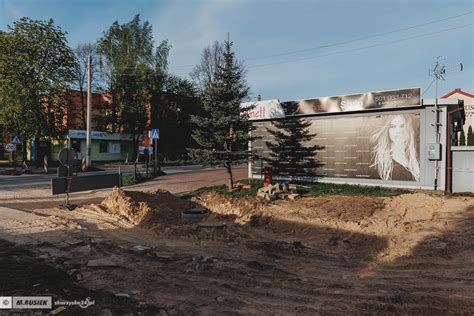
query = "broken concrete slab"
x=293 y=196
x=61 y=245
x=164 y=255
x=55 y=253
x=122 y=295
x=282 y=196
x=99 y=263
x=74 y=242
x=139 y=248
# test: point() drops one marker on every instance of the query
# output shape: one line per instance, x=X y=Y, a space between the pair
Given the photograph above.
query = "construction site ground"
x=131 y=252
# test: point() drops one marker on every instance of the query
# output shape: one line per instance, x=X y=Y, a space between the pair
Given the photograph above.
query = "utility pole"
x=439 y=72
x=155 y=148
x=89 y=106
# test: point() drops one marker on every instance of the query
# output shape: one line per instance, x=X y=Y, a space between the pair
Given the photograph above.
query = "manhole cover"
x=196 y=210
x=195 y=215
x=211 y=225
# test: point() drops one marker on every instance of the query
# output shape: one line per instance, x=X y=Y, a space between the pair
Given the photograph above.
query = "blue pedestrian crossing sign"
x=16 y=140
x=155 y=134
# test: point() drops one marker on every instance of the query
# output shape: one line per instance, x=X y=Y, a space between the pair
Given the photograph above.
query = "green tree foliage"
x=223 y=131
x=204 y=74
x=462 y=138
x=135 y=73
x=291 y=155
x=36 y=68
x=172 y=115
x=470 y=137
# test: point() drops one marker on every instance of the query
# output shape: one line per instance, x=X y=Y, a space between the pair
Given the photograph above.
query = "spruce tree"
x=470 y=137
x=290 y=155
x=462 y=138
x=222 y=132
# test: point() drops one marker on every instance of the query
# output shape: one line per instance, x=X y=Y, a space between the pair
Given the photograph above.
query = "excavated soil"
x=411 y=254
x=160 y=212
x=145 y=208
x=386 y=228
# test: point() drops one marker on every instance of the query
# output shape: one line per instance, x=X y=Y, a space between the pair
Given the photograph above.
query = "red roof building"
x=468 y=99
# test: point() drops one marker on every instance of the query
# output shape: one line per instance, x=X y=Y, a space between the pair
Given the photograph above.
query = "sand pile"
x=381 y=229
x=334 y=223
x=145 y=208
x=160 y=212
x=339 y=208
x=323 y=209
x=416 y=207
x=241 y=210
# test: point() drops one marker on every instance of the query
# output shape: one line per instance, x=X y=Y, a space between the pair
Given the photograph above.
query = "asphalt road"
x=45 y=179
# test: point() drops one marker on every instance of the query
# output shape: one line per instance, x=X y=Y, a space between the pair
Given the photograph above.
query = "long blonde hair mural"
x=383 y=149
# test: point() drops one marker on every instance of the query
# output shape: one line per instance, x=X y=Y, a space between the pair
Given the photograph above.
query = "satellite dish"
x=67 y=156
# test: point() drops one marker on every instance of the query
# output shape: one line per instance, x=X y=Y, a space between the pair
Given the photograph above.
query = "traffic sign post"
x=10 y=148
x=16 y=140
x=155 y=136
x=156 y=157
x=67 y=157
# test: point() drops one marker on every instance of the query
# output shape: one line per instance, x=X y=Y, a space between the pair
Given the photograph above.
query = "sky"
x=292 y=49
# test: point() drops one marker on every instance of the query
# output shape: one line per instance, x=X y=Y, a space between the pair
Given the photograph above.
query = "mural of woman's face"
x=397 y=130
x=305 y=107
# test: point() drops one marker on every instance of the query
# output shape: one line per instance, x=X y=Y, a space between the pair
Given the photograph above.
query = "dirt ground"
x=39 y=197
x=412 y=254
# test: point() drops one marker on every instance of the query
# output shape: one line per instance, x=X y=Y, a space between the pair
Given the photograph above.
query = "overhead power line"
x=358 y=48
x=428 y=88
x=346 y=41
x=360 y=38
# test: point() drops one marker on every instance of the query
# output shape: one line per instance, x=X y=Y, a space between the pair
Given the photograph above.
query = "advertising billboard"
x=378 y=146
x=346 y=103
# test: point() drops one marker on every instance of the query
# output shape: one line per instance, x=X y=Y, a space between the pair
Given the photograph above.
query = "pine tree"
x=470 y=137
x=290 y=155
x=222 y=131
x=462 y=139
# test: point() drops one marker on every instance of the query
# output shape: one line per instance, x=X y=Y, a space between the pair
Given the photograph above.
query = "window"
x=114 y=148
x=76 y=145
x=102 y=147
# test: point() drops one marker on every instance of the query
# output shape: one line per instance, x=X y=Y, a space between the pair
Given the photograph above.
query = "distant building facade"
x=468 y=99
x=168 y=112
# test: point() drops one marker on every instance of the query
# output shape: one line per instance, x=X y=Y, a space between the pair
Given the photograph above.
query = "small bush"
x=130 y=179
x=320 y=188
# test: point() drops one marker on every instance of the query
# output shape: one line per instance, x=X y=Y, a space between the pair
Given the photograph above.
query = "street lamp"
x=89 y=106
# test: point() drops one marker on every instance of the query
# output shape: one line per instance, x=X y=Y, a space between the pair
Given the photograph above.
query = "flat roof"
x=451 y=101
